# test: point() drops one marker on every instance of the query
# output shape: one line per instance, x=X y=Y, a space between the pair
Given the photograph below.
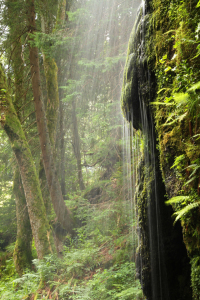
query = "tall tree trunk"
x=50 y=70
x=23 y=246
x=12 y=126
x=76 y=145
x=62 y=212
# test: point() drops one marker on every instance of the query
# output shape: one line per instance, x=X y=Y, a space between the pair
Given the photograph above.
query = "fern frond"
x=195 y=170
x=163 y=89
x=194 y=87
x=181 y=98
x=197 y=135
x=190 y=180
x=177 y=118
x=185 y=210
x=161 y=103
x=179 y=159
x=177 y=199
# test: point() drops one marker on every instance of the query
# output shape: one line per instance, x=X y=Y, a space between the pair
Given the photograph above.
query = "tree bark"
x=23 y=246
x=50 y=70
x=62 y=212
x=12 y=126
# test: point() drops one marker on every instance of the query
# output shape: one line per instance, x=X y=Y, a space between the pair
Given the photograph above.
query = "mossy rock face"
x=176 y=62
x=135 y=83
x=161 y=252
x=143 y=261
x=143 y=77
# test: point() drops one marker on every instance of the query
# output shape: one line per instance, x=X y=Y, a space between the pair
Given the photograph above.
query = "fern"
x=190 y=180
x=196 y=167
x=181 y=98
x=194 y=87
x=193 y=175
x=161 y=103
x=177 y=199
x=179 y=159
x=197 y=136
x=185 y=210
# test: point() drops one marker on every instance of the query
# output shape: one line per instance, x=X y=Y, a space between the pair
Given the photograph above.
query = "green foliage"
x=177 y=199
x=175 y=45
x=116 y=282
x=183 y=200
x=181 y=213
x=79 y=274
x=194 y=87
x=178 y=162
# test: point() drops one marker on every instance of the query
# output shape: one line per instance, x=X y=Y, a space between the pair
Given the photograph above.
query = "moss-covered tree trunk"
x=52 y=106
x=53 y=103
x=23 y=246
x=51 y=70
x=12 y=126
x=62 y=212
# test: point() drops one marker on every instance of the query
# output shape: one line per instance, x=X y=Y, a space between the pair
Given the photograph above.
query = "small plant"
x=186 y=207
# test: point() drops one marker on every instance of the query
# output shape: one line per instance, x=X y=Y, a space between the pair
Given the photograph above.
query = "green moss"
x=195 y=277
x=143 y=198
x=173 y=26
x=51 y=70
x=129 y=97
x=171 y=51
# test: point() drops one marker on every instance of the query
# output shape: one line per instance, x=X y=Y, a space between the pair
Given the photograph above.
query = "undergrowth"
x=84 y=271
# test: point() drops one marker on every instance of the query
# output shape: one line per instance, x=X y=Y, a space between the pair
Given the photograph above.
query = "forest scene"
x=100 y=149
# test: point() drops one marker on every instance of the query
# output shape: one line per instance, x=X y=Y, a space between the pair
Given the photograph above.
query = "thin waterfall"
x=150 y=257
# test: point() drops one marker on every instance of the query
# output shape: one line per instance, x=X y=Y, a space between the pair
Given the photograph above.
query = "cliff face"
x=161 y=97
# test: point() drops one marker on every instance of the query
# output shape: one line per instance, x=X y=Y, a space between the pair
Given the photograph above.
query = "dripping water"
x=145 y=151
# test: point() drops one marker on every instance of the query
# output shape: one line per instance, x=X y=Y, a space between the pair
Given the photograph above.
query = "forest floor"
x=95 y=267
